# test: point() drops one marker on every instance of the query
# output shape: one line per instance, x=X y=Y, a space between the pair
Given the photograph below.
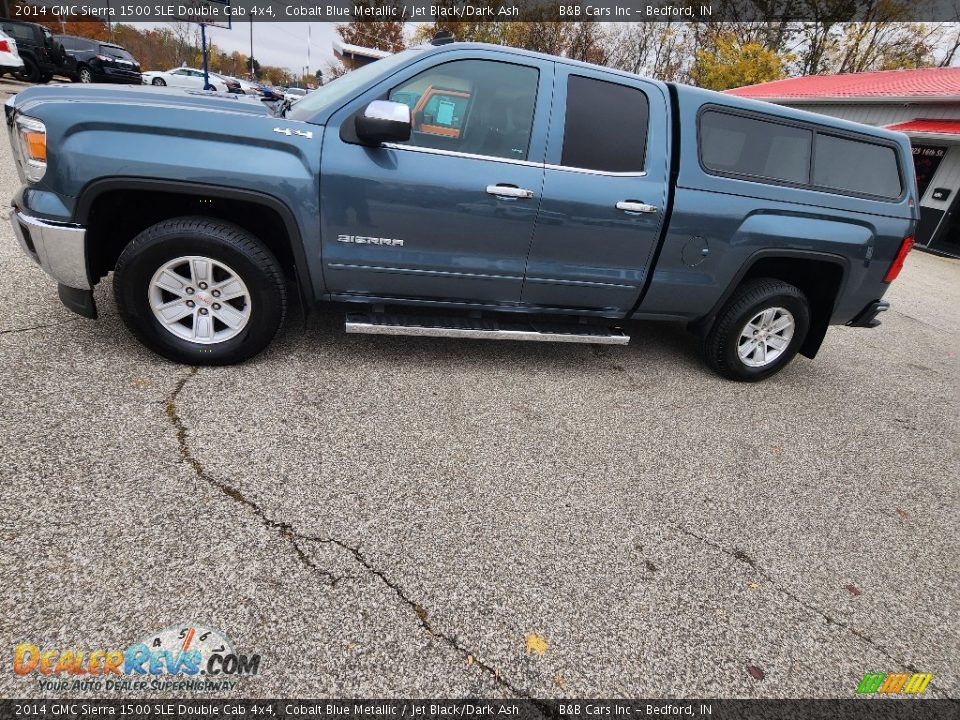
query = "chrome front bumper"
x=59 y=248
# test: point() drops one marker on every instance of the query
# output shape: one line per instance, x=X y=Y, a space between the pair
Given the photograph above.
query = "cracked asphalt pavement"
x=386 y=516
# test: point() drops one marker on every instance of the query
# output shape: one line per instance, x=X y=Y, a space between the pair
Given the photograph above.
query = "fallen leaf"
x=755 y=672
x=422 y=615
x=537 y=644
x=469 y=660
x=139 y=382
x=558 y=681
x=903 y=514
x=777 y=450
x=853 y=590
x=754 y=585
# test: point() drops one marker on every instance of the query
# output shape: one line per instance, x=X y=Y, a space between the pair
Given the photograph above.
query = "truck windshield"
x=346 y=85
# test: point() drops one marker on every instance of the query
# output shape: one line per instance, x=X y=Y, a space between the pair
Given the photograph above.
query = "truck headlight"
x=32 y=140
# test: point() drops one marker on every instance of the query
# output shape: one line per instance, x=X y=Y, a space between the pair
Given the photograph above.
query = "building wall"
x=882 y=113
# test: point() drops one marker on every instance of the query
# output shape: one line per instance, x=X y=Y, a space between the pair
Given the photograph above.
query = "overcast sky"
x=280 y=43
x=283 y=44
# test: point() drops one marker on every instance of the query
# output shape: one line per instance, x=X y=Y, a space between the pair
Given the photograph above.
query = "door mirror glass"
x=383 y=121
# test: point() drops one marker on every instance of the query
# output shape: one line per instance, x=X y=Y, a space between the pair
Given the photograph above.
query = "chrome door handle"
x=637 y=207
x=511 y=191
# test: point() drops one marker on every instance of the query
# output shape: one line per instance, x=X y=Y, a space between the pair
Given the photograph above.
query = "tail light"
x=4 y=46
x=897 y=265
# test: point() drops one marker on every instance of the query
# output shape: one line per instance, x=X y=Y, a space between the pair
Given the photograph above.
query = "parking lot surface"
x=382 y=516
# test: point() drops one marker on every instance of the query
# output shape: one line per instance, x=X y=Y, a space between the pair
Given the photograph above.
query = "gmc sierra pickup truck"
x=470 y=191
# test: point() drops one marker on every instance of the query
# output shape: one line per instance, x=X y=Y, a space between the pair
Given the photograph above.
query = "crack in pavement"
x=288 y=533
x=741 y=557
x=285 y=530
x=41 y=327
x=423 y=617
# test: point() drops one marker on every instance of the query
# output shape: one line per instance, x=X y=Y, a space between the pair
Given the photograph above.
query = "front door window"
x=479 y=107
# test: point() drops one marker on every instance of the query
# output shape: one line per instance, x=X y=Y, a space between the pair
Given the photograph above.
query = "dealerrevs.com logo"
x=186 y=657
x=894 y=683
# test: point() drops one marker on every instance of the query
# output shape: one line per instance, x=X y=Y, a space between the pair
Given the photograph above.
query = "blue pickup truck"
x=465 y=190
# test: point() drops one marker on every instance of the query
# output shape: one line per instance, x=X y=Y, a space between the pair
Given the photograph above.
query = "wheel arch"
x=116 y=209
x=821 y=276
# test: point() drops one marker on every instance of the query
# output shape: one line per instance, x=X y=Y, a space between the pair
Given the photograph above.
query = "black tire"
x=45 y=78
x=223 y=242
x=84 y=74
x=159 y=82
x=722 y=342
x=29 y=72
x=210 y=87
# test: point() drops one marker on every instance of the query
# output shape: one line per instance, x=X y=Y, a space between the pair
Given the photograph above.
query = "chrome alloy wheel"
x=766 y=337
x=199 y=299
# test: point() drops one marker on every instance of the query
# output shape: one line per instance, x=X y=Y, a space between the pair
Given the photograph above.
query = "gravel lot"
x=387 y=516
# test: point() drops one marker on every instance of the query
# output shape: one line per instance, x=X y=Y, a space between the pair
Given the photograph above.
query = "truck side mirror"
x=383 y=121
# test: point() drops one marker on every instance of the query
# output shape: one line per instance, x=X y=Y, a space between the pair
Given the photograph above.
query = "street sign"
x=212 y=13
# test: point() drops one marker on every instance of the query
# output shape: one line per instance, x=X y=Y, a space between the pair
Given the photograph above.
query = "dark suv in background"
x=42 y=54
x=90 y=61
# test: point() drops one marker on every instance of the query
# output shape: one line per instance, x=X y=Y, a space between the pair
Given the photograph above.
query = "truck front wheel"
x=758 y=331
x=200 y=291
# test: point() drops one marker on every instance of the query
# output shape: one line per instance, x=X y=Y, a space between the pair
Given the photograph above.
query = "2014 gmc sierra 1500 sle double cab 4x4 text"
x=465 y=190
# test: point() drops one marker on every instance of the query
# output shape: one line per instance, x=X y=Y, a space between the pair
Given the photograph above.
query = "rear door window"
x=605 y=127
x=857 y=167
x=739 y=145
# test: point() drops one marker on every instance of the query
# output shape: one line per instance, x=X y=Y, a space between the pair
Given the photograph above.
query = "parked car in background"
x=90 y=61
x=233 y=85
x=10 y=60
x=42 y=55
x=184 y=77
x=271 y=93
x=293 y=94
x=246 y=87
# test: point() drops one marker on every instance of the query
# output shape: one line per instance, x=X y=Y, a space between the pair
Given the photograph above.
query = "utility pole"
x=253 y=70
x=206 y=70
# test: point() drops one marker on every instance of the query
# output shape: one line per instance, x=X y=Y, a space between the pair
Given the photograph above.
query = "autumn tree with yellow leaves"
x=728 y=63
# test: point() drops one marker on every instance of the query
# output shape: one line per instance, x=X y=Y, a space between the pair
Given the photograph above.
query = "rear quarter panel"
x=740 y=220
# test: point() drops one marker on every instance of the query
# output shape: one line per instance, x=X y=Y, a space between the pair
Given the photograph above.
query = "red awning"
x=939 y=127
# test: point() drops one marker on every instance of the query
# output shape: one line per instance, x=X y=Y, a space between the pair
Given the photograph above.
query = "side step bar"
x=482 y=329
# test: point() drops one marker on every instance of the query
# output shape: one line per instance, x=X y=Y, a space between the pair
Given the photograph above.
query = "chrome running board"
x=482 y=329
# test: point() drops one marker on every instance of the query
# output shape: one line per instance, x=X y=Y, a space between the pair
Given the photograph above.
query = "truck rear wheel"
x=758 y=331
x=200 y=291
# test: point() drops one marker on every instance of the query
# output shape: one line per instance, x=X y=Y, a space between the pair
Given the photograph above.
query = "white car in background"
x=183 y=77
x=293 y=94
x=10 y=60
